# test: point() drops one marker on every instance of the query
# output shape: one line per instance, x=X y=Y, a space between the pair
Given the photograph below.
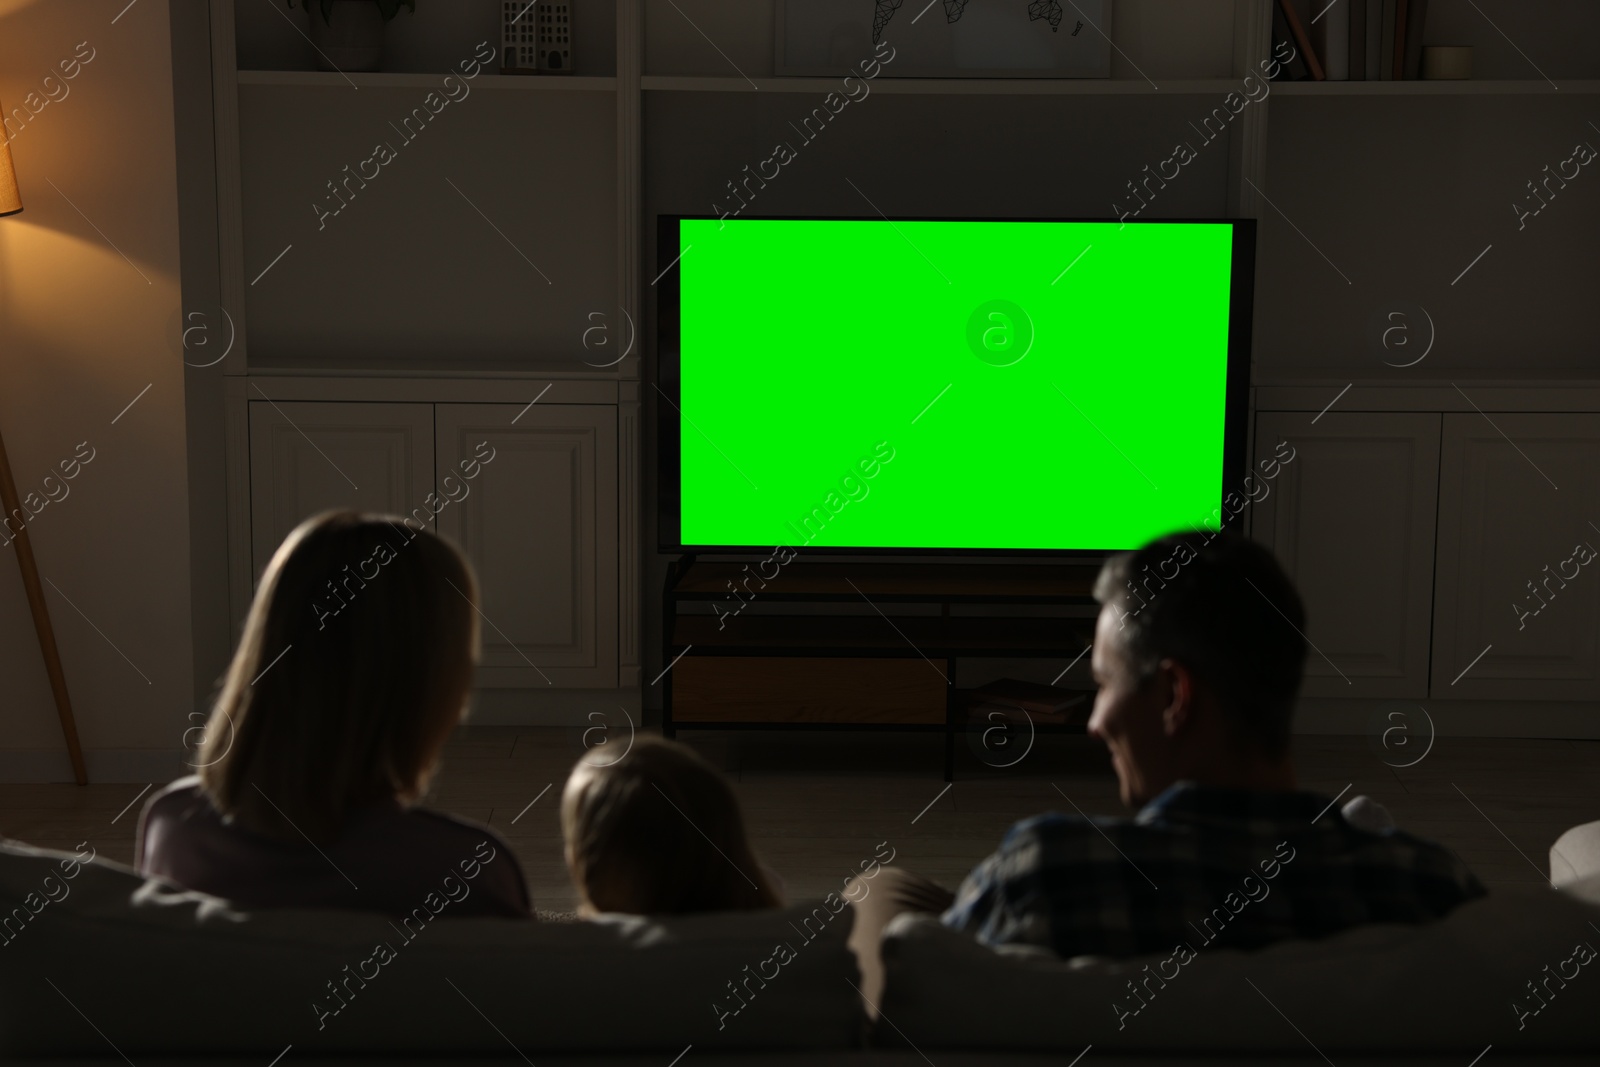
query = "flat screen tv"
x=947 y=386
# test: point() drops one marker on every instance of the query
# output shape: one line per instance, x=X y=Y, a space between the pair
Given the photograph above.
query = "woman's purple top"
x=388 y=858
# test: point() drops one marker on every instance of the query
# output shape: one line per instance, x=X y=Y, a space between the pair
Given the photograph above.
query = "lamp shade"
x=10 y=195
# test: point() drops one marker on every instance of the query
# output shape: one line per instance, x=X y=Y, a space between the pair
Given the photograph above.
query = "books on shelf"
x=1351 y=40
x=1357 y=48
x=1416 y=15
x=1330 y=36
x=1395 y=59
x=1294 y=68
x=1300 y=38
x=1373 y=28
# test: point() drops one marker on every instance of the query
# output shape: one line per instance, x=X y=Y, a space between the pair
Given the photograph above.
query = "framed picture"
x=946 y=38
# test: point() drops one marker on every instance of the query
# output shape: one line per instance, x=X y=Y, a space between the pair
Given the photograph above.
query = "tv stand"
x=820 y=645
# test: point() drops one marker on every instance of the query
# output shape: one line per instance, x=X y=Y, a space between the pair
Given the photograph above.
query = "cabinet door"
x=539 y=522
x=1515 y=619
x=309 y=457
x=1351 y=518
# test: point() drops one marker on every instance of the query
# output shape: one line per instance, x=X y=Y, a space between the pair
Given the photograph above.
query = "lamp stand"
x=41 y=618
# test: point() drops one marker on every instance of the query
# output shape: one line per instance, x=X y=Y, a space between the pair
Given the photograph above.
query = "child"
x=355 y=664
x=658 y=832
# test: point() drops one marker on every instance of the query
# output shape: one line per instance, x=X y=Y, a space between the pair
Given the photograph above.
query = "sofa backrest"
x=1507 y=970
x=92 y=956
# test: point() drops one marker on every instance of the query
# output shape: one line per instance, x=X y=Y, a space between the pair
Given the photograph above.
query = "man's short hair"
x=1222 y=606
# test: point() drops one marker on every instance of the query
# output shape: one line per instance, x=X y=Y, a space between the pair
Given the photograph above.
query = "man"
x=1198 y=653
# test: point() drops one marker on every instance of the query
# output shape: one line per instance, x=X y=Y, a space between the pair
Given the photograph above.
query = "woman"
x=658 y=832
x=355 y=664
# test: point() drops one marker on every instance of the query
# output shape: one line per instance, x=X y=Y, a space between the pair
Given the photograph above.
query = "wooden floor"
x=819 y=804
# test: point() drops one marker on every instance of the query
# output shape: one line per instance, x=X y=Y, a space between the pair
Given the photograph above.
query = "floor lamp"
x=15 y=516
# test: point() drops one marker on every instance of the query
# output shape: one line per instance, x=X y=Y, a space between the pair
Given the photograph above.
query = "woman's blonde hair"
x=355 y=663
x=657 y=832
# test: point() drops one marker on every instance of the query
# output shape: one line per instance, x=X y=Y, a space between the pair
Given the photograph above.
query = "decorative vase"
x=350 y=38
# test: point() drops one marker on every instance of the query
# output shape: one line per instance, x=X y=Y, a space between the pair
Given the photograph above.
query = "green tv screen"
x=948 y=385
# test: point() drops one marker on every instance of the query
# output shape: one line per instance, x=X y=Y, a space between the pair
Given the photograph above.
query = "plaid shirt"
x=1204 y=866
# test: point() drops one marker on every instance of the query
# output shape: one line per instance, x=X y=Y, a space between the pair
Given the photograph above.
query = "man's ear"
x=1178 y=692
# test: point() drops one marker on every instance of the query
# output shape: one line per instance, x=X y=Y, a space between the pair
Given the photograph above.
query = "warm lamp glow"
x=10 y=195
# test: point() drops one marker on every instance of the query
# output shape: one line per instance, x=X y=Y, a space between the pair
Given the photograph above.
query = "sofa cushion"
x=92 y=956
x=1576 y=854
x=1456 y=985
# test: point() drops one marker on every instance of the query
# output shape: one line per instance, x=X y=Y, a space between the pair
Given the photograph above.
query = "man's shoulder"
x=1072 y=833
x=1184 y=827
x=1058 y=824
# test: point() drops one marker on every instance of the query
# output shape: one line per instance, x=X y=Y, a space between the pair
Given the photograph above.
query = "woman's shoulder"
x=187 y=786
x=472 y=849
x=455 y=830
x=180 y=808
x=181 y=799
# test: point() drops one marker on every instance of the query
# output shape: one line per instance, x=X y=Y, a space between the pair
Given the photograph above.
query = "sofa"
x=99 y=966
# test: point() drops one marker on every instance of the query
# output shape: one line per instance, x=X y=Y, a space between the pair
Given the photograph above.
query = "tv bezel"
x=668 y=385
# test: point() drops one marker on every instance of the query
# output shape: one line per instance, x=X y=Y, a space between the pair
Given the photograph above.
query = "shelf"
x=1118 y=86
x=1466 y=87
x=534 y=367
x=947 y=86
x=925 y=86
x=1422 y=377
x=727 y=669
x=875 y=636
x=942 y=583
x=1462 y=394
x=973 y=726
x=419 y=389
x=335 y=80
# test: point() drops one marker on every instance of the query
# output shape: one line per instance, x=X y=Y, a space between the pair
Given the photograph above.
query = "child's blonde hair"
x=657 y=832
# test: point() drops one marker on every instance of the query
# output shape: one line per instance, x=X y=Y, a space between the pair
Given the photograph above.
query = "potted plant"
x=348 y=34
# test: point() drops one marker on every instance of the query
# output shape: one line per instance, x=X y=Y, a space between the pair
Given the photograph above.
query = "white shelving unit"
x=563 y=175
x=508 y=153
x=663 y=59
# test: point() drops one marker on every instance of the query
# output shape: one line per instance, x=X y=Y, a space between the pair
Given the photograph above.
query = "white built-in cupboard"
x=530 y=493
x=1443 y=536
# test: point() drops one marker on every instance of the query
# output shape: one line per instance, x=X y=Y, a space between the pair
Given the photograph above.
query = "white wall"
x=89 y=313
